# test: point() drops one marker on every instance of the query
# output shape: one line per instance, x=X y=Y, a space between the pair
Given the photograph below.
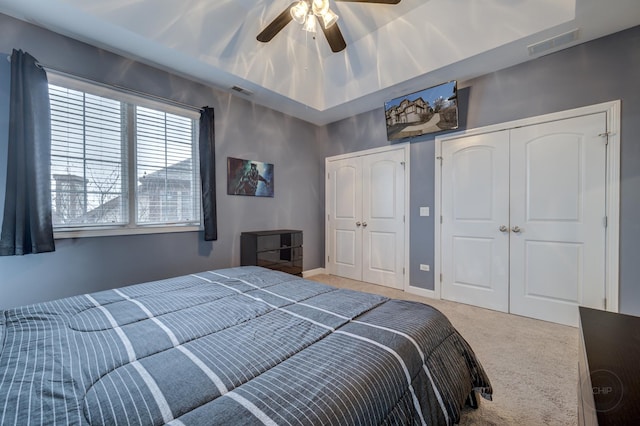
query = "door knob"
x=516 y=229
x=358 y=224
x=503 y=228
x=364 y=224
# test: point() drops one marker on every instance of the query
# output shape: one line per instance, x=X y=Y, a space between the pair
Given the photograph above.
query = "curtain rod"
x=117 y=87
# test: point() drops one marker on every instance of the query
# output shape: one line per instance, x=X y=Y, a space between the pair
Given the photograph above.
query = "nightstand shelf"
x=279 y=249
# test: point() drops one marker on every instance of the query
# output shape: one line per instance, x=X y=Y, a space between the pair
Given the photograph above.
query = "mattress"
x=233 y=346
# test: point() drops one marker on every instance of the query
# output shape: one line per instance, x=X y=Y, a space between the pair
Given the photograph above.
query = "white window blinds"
x=88 y=162
x=167 y=187
x=119 y=163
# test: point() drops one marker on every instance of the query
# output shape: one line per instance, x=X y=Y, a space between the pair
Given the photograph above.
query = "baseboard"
x=423 y=292
x=313 y=272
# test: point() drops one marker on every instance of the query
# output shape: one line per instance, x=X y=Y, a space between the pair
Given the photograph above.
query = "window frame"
x=130 y=100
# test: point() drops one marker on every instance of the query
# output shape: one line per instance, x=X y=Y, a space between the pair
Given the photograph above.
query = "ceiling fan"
x=308 y=12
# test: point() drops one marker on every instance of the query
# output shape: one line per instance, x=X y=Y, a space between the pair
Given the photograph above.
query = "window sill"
x=120 y=231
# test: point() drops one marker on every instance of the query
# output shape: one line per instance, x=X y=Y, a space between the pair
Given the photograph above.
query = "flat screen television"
x=430 y=110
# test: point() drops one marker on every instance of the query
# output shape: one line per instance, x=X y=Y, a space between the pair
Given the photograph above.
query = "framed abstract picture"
x=248 y=177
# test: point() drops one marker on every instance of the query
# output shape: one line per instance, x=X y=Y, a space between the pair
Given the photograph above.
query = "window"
x=120 y=163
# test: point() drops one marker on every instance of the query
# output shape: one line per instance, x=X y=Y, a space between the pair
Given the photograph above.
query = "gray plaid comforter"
x=233 y=346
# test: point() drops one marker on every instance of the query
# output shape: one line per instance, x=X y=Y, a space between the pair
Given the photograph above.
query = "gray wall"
x=243 y=130
x=599 y=71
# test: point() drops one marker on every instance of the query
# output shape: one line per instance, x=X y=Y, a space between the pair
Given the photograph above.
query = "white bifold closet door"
x=524 y=219
x=366 y=218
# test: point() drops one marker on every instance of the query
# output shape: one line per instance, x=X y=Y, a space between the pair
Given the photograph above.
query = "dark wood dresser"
x=279 y=249
x=609 y=368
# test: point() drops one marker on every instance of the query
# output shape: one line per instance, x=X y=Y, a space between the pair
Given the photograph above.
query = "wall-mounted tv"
x=427 y=111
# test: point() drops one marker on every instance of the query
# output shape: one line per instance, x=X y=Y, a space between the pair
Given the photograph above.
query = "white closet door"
x=557 y=218
x=383 y=218
x=365 y=226
x=475 y=211
x=345 y=211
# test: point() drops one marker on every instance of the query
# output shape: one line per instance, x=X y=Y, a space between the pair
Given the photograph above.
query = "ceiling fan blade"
x=373 y=1
x=276 y=25
x=334 y=37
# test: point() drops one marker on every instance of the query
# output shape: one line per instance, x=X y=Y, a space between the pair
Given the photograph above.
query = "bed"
x=240 y=345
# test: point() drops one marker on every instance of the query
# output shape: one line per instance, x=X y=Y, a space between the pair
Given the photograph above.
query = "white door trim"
x=407 y=155
x=612 y=110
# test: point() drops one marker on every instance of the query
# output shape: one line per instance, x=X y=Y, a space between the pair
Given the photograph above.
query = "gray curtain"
x=208 y=174
x=27 y=226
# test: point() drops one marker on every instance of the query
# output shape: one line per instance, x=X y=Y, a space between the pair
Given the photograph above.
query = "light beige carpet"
x=532 y=364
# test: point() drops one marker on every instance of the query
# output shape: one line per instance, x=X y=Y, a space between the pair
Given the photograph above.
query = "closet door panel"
x=475 y=211
x=558 y=205
x=383 y=191
x=345 y=210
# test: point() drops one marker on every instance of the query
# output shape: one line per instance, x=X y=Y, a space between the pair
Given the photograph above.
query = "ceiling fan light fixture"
x=310 y=24
x=299 y=11
x=329 y=18
x=320 y=7
x=305 y=11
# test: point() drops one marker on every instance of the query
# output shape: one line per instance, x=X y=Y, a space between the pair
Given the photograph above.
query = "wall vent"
x=551 y=43
x=242 y=90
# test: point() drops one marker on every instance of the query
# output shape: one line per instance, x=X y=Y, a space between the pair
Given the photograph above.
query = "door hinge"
x=606 y=136
x=328 y=259
x=440 y=277
x=604 y=302
x=402 y=271
x=403 y=219
x=606 y=221
x=441 y=220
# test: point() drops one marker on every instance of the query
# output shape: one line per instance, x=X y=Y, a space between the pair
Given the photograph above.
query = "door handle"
x=516 y=229
x=503 y=228
x=364 y=224
x=358 y=224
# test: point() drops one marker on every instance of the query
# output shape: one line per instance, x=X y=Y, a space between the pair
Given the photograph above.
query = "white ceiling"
x=391 y=50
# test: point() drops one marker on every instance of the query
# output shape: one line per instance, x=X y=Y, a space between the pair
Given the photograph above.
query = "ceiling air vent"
x=242 y=90
x=551 y=43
